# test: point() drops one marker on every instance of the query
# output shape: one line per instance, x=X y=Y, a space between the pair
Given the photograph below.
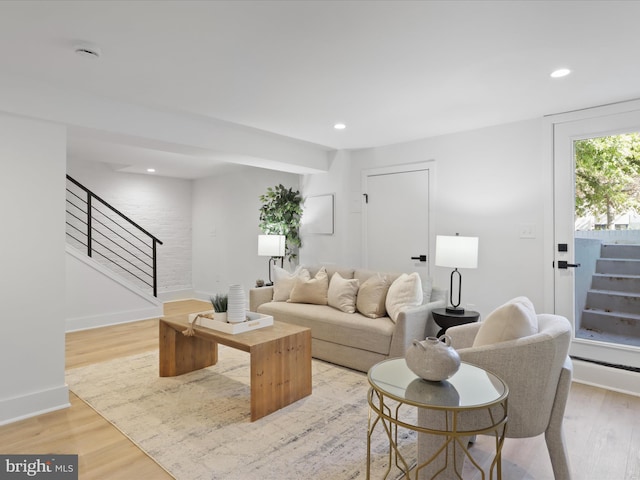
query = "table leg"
x=280 y=373
x=181 y=354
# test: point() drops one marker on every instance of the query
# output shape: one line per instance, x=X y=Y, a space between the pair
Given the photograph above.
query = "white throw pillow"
x=372 y=296
x=311 y=290
x=342 y=293
x=405 y=291
x=515 y=319
x=283 y=282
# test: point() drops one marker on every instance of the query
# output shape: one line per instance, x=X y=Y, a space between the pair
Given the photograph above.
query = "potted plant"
x=219 y=303
x=280 y=214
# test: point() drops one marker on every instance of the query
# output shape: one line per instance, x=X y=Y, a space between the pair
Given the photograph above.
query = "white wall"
x=160 y=205
x=225 y=228
x=32 y=205
x=488 y=183
x=338 y=248
x=95 y=296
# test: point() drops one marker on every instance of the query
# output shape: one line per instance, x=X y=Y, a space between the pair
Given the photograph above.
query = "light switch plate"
x=527 y=230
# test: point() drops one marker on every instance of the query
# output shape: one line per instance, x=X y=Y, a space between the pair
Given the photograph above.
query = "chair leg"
x=554 y=435
x=556 y=445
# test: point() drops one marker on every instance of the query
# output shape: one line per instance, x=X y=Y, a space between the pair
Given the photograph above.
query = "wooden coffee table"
x=280 y=359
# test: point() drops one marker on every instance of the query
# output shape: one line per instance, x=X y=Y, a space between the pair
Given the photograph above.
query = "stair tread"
x=616 y=275
x=599 y=311
x=614 y=292
x=619 y=259
x=596 y=334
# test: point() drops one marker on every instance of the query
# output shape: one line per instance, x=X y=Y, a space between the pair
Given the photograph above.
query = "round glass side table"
x=395 y=392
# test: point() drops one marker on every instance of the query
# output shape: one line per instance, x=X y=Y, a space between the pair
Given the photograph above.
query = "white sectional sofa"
x=384 y=321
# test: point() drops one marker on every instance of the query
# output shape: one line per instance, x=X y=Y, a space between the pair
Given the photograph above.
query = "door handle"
x=562 y=264
x=422 y=258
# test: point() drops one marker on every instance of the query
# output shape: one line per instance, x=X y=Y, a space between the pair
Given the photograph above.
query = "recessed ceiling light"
x=151 y=170
x=339 y=126
x=561 y=72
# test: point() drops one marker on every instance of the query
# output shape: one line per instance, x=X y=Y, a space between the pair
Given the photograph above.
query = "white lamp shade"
x=456 y=252
x=271 y=245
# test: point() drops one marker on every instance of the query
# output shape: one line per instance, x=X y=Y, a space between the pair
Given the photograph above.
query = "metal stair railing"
x=110 y=237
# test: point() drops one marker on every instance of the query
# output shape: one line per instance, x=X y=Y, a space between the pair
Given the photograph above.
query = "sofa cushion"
x=372 y=295
x=346 y=273
x=405 y=291
x=342 y=293
x=311 y=290
x=332 y=325
x=363 y=275
x=283 y=282
x=515 y=319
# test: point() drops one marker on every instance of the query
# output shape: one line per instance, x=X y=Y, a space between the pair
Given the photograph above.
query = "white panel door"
x=396 y=219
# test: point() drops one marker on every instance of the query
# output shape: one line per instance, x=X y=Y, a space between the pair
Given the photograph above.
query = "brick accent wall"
x=160 y=205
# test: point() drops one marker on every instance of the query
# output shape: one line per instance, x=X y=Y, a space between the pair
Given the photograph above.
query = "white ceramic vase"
x=236 y=309
x=433 y=359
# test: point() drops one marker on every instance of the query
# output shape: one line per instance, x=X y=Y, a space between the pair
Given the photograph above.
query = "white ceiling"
x=393 y=71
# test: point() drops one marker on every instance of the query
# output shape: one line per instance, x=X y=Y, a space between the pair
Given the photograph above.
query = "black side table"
x=446 y=320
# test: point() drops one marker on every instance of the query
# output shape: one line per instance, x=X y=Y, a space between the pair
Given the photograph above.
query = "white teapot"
x=433 y=359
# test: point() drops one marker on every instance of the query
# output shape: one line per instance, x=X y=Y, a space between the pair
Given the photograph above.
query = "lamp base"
x=455 y=310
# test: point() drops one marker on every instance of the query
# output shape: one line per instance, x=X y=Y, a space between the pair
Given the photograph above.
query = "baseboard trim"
x=175 y=295
x=34 y=404
x=618 y=380
x=204 y=296
x=104 y=320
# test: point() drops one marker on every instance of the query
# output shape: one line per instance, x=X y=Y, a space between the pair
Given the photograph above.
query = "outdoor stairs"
x=612 y=310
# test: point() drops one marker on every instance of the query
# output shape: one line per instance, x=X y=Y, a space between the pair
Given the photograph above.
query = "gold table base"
x=390 y=419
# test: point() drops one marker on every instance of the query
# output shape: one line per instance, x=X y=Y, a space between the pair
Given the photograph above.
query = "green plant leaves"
x=280 y=214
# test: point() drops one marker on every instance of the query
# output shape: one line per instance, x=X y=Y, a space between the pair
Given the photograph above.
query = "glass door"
x=597 y=236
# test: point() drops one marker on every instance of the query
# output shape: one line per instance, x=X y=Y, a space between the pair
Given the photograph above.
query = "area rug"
x=197 y=425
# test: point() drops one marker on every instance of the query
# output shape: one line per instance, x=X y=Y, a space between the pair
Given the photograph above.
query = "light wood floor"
x=104 y=453
x=602 y=427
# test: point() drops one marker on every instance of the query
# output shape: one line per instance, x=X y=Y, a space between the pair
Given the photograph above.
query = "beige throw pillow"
x=372 y=295
x=312 y=290
x=405 y=291
x=342 y=293
x=515 y=319
x=283 y=282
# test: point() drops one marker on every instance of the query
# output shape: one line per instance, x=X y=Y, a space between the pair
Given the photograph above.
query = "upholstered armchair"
x=537 y=370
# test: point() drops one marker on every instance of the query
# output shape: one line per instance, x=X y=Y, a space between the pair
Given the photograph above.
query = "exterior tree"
x=608 y=176
x=280 y=214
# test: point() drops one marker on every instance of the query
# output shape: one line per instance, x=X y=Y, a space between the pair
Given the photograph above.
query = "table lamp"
x=271 y=246
x=456 y=252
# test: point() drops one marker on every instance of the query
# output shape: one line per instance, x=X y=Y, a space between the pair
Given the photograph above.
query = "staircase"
x=612 y=310
x=112 y=239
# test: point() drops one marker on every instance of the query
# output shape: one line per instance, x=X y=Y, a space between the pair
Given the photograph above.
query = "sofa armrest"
x=413 y=324
x=258 y=296
x=462 y=336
